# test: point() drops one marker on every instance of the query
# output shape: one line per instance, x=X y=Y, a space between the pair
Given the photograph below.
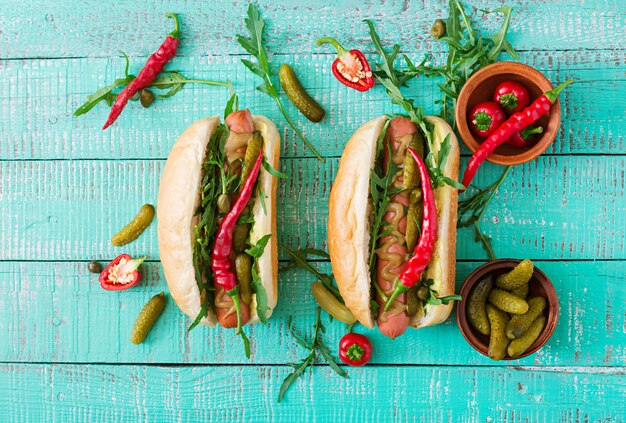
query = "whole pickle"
x=241 y=232
x=243 y=270
x=508 y=302
x=517 y=277
x=252 y=153
x=519 y=345
x=476 y=312
x=147 y=318
x=412 y=301
x=136 y=226
x=498 y=342
x=521 y=292
x=520 y=323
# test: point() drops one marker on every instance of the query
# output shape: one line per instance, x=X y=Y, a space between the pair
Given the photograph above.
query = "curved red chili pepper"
x=524 y=138
x=424 y=249
x=154 y=65
x=515 y=123
x=222 y=250
x=348 y=60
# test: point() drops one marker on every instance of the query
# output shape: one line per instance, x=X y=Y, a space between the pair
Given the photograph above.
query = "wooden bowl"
x=539 y=285
x=480 y=87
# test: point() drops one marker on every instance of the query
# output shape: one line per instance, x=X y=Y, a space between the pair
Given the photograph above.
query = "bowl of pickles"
x=509 y=309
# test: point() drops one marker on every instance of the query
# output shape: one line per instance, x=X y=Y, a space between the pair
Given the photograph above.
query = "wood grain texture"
x=41 y=97
x=174 y=394
x=52 y=311
x=552 y=208
x=54 y=29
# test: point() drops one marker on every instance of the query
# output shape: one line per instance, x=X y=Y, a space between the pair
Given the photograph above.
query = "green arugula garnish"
x=275 y=173
x=298 y=259
x=256 y=250
x=254 y=46
x=316 y=348
x=434 y=299
x=261 y=294
x=172 y=81
x=471 y=210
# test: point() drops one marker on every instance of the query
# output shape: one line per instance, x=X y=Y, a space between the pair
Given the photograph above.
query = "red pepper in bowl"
x=515 y=123
x=155 y=64
x=485 y=117
x=525 y=137
x=350 y=67
x=511 y=96
x=122 y=273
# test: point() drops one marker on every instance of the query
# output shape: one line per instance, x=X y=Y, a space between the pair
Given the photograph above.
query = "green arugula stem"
x=194 y=81
x=297 y=131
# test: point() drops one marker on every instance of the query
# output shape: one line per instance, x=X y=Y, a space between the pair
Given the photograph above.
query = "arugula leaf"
x=254 y=46
x=103 y=94
x=245 y=219
x=298 y=259
x=231 y=105
x=275 y=173
x=261 y=294
x=256 y=250
x=262 y=197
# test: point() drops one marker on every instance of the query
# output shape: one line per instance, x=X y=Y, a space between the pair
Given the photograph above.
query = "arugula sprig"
x=298 y=259
x=316 y=349
x=471 y=210
x=172 y=81
x=254 y=46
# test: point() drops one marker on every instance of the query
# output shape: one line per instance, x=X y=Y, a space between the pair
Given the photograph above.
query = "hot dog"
x=205 y=159
x=350 y=223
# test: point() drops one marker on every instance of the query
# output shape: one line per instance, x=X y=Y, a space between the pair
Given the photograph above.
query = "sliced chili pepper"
x=222 y=263
x=525 y=137
x=355 y=349
x=515 y=123
x=155 y=64
x=122 y=273
x=350 y=67
x=423 y=251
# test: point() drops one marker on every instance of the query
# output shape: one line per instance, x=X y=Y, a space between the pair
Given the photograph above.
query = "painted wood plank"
x=94 y=29
x=57 y=312
x=41 y=96
x=403 y=394
x=553 y=208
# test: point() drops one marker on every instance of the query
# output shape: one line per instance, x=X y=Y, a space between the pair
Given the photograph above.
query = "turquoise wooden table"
x=66 y=186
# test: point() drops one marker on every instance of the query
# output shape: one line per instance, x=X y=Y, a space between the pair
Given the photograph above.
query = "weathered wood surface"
x=59 y=392
x=66 y=186
x=56 y=312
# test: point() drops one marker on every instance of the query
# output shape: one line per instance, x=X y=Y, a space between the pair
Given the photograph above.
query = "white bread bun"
x=179 y=197
x=349 y=224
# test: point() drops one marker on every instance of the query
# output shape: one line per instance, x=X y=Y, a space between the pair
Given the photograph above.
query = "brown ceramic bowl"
x=539 y=285
x=480 y=87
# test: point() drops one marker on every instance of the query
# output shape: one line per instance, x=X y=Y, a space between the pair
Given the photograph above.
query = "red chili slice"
x=122 y=273
x=350 y=67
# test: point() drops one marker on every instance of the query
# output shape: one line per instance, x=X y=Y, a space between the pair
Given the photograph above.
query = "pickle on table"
x=252 y=153
x=520 y=323
x=476 y=301
x=498 y=342
x=298 y=95
x=331 y=304
x=136 y=226
x=517 y=277
x=521 y=292
x=519 y=345
x=243 y=270
x=147 y=317
x=508 y=302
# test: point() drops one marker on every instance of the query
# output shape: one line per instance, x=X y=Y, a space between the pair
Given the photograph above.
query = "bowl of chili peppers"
x=495 y=93
x=509 y=310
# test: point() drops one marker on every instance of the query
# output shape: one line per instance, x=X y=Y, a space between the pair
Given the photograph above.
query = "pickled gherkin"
x=517 y=277
x=508 y=302
x=519 y=345
x=520 y=323
x=252 y=153
x=241 y=232
x=410 y=173
x=498 y=342
x=476 y=312
x=243 y=270
x=136 y=226
x=412 y=301
x=329 y=303
x=147 y=318
x=521 y=292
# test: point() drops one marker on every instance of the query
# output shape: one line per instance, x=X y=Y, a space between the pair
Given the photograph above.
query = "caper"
x=416 y=196
x=423 y=293
x=438 y=29
x=146 y=97
x=94 y=267
x=223 y=203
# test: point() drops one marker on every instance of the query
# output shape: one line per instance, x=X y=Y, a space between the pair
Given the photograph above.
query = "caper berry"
x=423 y=293
x=223 y=203
x=146 y=97
x=94 y=267
x=438 y=29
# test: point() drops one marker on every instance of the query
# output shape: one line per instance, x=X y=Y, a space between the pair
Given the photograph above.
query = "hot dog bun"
x=349 y=224
x=178 y=199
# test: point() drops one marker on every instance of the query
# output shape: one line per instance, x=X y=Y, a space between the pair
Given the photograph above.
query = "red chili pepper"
x=350 y=67
x=485 y=117
x=355 y=349
x=222 y=250
x=423 y=251
x=525 y=137
x=122 y=273
x=515 y=123
x=155 y=64
x=511 y=96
